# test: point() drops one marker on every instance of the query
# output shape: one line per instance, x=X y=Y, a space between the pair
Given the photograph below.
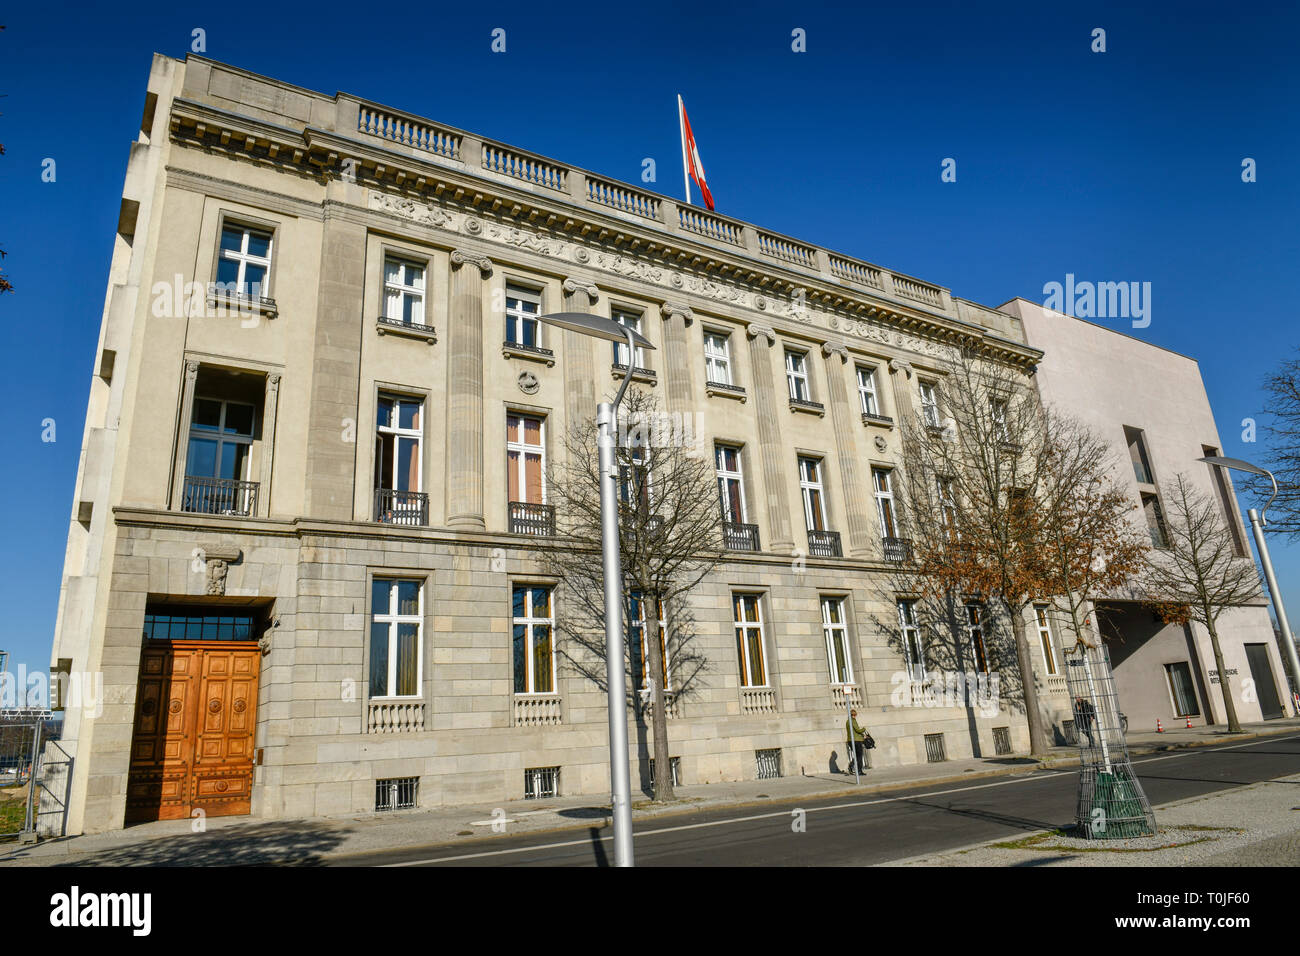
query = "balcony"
x=804 y=405
x=219 y=496
x=528 y=518
x=897 y=550
x=884 y=420
x=401 y=507
x=824 y=544
x=740 y=537
x=413 y=329
x=533 y=353
x=724 y=389
x=647 y=376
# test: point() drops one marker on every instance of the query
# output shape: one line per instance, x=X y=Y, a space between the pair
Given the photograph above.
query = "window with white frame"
x=810 y=486
x=634 y=477
x=244 y=261
x=796 y=374
x=930 y=404
x=403 y=291
x=533 y=621
x=974 y=624
x=717 y=358
x=837 y=640
x=221 y=439
x=399 y=433
x=526 y=458
x=998 y=418
x=749 y=639
x=943 y=488
x=396 y=625
x=631 y=320
x=640 y=653
x=910 y=633
x=884 y=493
x=1045 y=637
x=522 y=308
x=867 y=390
x=731 y=483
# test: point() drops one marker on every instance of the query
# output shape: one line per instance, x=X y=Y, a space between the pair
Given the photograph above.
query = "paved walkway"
x=241 y=840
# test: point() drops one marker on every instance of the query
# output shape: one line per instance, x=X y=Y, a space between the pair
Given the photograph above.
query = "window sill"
x=725 y=391
x=807 y=407
x=408 y=329
x=643 y=375
x=880 y=421
x=230 y=302
x=528 y=353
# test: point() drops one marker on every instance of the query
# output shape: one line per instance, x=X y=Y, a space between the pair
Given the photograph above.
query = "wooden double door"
x=192 y=745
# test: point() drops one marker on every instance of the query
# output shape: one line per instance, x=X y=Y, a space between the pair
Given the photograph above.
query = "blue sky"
x=1123 y=165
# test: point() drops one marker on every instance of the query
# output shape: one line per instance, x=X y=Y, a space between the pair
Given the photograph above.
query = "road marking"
x=839 y=806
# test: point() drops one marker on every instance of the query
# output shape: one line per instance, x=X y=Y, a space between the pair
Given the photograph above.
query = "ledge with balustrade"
x=537 y=710
x=757 y=700
x=394 y=716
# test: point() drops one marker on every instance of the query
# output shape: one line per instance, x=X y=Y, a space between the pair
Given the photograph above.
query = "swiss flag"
x=691 y=156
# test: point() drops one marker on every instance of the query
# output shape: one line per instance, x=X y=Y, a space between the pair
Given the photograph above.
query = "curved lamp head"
x=595 y=325
x=1239 y=465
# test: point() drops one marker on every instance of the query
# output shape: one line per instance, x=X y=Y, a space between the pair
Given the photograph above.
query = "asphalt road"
x=875 y=829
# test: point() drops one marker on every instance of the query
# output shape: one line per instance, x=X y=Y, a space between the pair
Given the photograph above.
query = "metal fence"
x=25 y=735
x=935 y=752
x=397 y=793
x=769 y=763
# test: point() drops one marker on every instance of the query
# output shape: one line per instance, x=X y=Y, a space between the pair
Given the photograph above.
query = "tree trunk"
x=1037 y=735
x=1229 y=708
x=663 y=782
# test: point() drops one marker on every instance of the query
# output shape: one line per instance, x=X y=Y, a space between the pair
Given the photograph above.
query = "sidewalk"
x=245 y=841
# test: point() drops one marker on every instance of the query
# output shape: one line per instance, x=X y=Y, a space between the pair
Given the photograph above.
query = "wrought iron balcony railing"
x=824 y=544
x=898 y=550
x=219 y=496
x=401 y=507
x=740 y=537
x=528 y=518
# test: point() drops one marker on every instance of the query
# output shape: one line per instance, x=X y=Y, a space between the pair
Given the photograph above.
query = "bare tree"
x=670 y=537
x=1282 y=428
x=1199 y=574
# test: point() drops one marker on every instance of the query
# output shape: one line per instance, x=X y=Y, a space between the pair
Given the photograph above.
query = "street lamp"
x=1257 y=524
x=620 y=783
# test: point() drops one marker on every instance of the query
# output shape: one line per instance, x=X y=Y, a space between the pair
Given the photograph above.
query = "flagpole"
x=681 y=126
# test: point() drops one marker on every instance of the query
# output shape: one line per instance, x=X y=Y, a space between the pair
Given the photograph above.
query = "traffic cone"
x=1189 y=722
x=1159 y=729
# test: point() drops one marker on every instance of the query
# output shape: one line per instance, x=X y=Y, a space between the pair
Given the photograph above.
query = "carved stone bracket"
x=836 y=348
x=580 y=285
x=217 y=559
x=669 y=309
x=754 y=330
x=460 y=257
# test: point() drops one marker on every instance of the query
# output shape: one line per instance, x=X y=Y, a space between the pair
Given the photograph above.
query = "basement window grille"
x=396 y=793
x=674 y=764
x=541 y=782
x=1002 y=740
x=769 y=763
x=1068 y=732
x=934 y=749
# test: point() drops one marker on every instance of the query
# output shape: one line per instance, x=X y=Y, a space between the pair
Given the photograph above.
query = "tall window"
x=1045 y=637
x=884 y=502
x=998 y=416
x=631 y=320
x=1155 y=521
x=526 y=458
x=796 y=374
x=810 y=484
x=403 y=291
x=913 y=647
x=947 y=503
x=867 y=390
x=717 y=358
x=1182 y=690
x=637 y=644
x=634 y=478
x=221 y=436
x=731 y=483
x=398 y=434
x=522 y=309
x=837 y=640
x=749 y=639
x=396 y=620
x=930 y=404
x=975 y=635
x=533 y=621
x=244 y=260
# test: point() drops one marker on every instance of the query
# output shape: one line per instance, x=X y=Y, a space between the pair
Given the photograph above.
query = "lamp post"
x=1257 y=525
x=606 y=421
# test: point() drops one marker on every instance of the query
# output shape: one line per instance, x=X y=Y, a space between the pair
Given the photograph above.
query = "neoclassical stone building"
x=311 y=499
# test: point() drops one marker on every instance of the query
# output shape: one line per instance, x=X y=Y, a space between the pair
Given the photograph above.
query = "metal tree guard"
x=1111 y=805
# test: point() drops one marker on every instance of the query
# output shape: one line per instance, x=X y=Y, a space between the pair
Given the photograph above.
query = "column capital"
x=897 y=364
x=460 y=257
x=836 y=348
x=273 y=381
x=755 y=329
x=582 y=285
x=191 y=370
x=669 y=309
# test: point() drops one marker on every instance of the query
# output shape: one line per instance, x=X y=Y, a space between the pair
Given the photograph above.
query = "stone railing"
x=855 y=271
x=621 y=198
x=838 y=695
x=394 y=716
x=1056 y=685
x=670 y=704
x=537 y=710
x=757 y=700
x=509 y=162
x=407 y=131
x=711 y=227
x=790 y=251
x=918 y=291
